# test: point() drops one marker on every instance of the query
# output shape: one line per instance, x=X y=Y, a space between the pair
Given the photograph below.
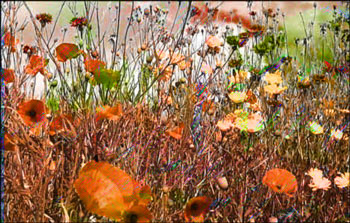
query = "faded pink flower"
x=320 y=183
x=343 y=180
x=315 y=173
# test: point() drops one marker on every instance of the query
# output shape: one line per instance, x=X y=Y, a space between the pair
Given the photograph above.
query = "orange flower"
x=196 y=209
x=66 y=51
x=281 y=181
x=60 y=124
x=176 y=58
x=8 y=75
x=273 y=78
x=108 y=191
x=213 y=42
x=176 y=132
x=94 y=66
x=36 y=64
x=9 y=144
x=111 y=113
x=32 y=112
x=343 y=180
x=274 y=89
x=224 y=125
x=164 y=73
x=10 y=41
x=238 y=97
x=184 y=64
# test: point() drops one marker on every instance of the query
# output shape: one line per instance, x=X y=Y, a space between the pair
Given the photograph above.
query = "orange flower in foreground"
x=281 y=181
x=9 y=144
x=108 y=191
x=10 y=41
x=36 y=64
x=196 y=208
x=213 y=42
x=32 y=112
x=8 y=75
x=111 y=113
x=176 y=132
x=66 y=51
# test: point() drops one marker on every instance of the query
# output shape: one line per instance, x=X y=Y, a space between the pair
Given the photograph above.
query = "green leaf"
x=108 y=78
x=233 y=40
x=53 y=104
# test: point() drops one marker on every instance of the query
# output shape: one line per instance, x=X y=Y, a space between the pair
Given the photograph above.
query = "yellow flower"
x=337 y=135
x=343 y=180
x=274 y=89
x=273 y=78
x=315 y=128
x=238 y=97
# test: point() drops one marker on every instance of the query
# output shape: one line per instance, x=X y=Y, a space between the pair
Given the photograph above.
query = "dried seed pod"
x=222 y=181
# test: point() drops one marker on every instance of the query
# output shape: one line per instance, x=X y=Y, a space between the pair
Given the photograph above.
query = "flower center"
x=31 y=113
x=132 y=218
x=194 y=207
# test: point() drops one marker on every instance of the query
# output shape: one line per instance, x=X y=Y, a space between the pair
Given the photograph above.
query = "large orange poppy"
x=108 y=191
x=10 y=41
x=8 y=75
x=32 y=112
x=111 y=113
x=196 y=208
x=36 y=64
x=281 y=181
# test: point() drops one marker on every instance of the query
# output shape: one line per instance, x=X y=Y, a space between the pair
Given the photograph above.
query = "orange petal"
x=281 y=181
x=176 y=132
x=102 y=188
x=8 y=75
x=66 y=51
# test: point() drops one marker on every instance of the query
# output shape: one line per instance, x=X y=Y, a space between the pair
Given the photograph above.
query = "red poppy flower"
x=196 y=208
x=94 y=66
x=281 y=181
x=66 y=51
x=8 y=75
x=10 y=41
x=36 y=64
x=32 y=112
